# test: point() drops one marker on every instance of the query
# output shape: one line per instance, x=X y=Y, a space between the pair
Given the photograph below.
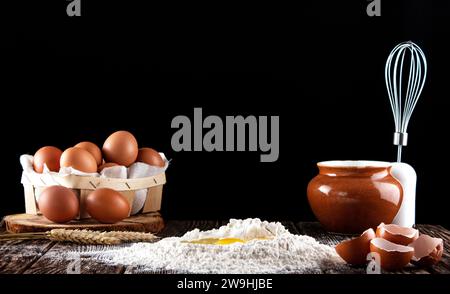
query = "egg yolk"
x=227 y=241
x=222 y=241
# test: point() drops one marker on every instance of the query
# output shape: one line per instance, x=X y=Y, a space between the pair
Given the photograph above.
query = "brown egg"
x=150 y=156
x=105 y=165
x=50 y=156
x=427 y=250
x=354 y=251
x=392 y=256
x=58 y=204
x=93 y=149
x=120 y=147
x=107 y=205
x=397 y=234
x=79 y=159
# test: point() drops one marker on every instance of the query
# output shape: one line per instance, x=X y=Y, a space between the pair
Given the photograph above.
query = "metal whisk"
x=404 y=98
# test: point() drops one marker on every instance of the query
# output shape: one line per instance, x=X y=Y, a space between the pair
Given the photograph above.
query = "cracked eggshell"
x=392 y=256
x=354 y=251
x=427 y=250
x=397 y=234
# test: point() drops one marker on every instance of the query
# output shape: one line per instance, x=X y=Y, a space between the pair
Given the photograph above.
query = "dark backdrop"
x=319 y=65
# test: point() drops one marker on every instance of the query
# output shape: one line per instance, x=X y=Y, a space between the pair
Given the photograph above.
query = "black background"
x=319 y=65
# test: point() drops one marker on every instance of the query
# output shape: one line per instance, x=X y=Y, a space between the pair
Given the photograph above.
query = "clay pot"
x=352 y=196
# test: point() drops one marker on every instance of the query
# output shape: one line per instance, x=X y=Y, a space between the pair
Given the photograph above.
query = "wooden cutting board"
x=20 y=223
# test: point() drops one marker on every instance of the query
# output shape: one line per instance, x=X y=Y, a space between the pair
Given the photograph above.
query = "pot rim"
x=354 y=164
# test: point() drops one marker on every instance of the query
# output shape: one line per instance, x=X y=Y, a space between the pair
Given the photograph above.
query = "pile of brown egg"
x=60 y=204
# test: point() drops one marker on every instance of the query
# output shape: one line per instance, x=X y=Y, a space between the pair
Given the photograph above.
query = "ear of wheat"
x=83 y=236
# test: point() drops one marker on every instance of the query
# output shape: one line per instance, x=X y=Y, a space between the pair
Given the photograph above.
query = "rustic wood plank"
x=314 y=229
x=409 y=269
x=151 y=221
x=56 y=261
x=16 y=256
x=42 y=256
x=175 y=228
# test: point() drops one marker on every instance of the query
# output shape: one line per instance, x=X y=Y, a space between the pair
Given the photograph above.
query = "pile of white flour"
x=282 y=253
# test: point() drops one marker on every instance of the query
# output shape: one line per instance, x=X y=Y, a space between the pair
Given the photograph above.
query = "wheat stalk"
x=81 y=237
x=128 y=236
x=84 y=236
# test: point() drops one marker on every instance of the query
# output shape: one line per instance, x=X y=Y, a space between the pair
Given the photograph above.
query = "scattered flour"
x=282 y=253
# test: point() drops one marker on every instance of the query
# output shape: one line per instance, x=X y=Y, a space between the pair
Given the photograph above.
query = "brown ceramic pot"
x=352 y=196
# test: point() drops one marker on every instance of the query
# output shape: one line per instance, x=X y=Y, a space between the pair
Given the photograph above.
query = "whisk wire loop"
x=403 y=100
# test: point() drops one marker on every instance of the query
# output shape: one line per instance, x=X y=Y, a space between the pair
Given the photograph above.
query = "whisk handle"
x=400 y=138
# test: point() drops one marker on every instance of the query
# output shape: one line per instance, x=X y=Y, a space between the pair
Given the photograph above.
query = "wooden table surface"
x=34 y=257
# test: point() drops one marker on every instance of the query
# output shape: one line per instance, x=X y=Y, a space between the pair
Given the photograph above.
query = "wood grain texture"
x=17 y=256
x=38 y=256
x=315 y=230
x=21 y=223
x=52 y=263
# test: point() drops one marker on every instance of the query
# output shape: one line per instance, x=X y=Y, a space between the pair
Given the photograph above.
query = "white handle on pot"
x=407 y=177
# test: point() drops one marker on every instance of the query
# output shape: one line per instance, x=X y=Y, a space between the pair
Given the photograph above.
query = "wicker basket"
x=83 y=185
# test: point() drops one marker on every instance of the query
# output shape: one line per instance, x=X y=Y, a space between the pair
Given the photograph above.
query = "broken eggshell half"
x=392 y=256
x=427 y=250
x=354 y=251
x=397 y=234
